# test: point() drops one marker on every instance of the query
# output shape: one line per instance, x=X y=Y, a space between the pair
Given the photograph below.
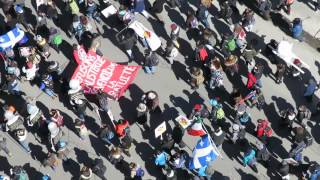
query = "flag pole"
x=214 y=145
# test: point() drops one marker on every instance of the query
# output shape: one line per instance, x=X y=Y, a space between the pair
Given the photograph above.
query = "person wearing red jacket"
x=252 y=80
x=262 y=124
x=122 y=128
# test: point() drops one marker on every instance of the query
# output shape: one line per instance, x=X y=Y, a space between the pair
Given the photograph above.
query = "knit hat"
x=141 y=107
x=235 y=127
x=74 y=85
x=173 y=26
x=197 y=107
x=151 y=95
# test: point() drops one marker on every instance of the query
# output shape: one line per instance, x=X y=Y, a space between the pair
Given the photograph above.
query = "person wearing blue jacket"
x=46 y=85
x=310 y=90
x=249 y=158
x=297 y=30
x=161 y=159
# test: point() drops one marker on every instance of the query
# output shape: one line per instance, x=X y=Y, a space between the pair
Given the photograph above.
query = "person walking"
x=136 y=172
x=142 y=116
x=157 y=8
x=151 y=61
x=197 y=77
x=128 y=41
x=106 y=134
x=21 y=136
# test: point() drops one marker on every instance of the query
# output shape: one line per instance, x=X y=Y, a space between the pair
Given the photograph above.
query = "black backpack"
x=98 y=167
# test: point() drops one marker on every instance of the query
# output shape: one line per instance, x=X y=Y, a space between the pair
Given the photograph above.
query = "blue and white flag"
x=203 y=153
x=11 y=38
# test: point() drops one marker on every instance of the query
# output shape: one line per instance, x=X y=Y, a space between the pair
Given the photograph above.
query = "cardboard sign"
x=183 y=121
x=160 y=129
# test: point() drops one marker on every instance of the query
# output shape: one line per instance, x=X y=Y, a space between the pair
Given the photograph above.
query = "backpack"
x=267 y=131
x=22 y=175
x=139 y=172
x=57 y=40
x=220 y=113
x=244 y=118
x=231 y=45
x=203 y=54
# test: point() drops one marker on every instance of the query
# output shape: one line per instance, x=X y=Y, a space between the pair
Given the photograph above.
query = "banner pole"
x=214 y=145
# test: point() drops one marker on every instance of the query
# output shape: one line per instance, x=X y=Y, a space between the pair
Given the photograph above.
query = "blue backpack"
x=139 y=172
x=245 y=118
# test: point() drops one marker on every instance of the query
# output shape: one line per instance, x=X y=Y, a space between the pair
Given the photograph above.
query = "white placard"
x=110 y=10
x=160 y=129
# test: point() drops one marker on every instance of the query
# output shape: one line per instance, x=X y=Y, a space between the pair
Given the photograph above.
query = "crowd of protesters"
x=213 y=59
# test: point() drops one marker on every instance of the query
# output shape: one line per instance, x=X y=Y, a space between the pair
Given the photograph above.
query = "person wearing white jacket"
x=30 y=71
x=21 y=135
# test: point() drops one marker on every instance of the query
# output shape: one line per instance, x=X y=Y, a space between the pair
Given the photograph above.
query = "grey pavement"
x=176 y=97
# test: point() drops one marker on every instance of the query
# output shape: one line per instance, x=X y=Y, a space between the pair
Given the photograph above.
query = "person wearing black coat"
x=99 y=168
x=128 y=40
x=218 y=137
x=142 y=115
x=177 y=134
x=157 y=8
x=263 y=154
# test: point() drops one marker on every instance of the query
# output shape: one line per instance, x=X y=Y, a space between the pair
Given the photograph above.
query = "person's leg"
x=49 y=92
x=145 y=14
x=129 y=52
x=106 y=140
x=148 y=69
x=153 y=69
x=25 y=146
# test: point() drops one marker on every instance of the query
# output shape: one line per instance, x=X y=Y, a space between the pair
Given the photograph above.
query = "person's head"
x=215 y=63
x=84 y=20
x=132 y=165
x=195 y=70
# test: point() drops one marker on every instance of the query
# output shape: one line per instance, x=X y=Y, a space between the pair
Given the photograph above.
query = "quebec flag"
x=203 y=153
x=11 y=38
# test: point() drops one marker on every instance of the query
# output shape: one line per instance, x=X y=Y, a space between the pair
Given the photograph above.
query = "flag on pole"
x=196 y=129
x=203 y=153
x=11 y=38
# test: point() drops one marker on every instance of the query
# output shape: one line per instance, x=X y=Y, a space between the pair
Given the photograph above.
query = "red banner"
x=95 y=72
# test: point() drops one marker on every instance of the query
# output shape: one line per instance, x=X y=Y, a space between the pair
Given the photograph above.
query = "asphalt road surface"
x=176 y=97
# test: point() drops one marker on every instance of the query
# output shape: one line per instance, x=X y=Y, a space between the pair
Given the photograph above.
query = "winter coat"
x=142 y=117
x=129 y=39
x=263 y=154
x=199 y=78
x=218 y=139
x=297 y=30
x=157 y=6
x=73 y=6
x=120 y=128
x=251 y=80
x=99 y=168
x=177 y=134
x=151 y=60
x=161 y=159
x=249 y=158
x=139 y=6
x=202 y=12
x=249 y=54
x=311 y=88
